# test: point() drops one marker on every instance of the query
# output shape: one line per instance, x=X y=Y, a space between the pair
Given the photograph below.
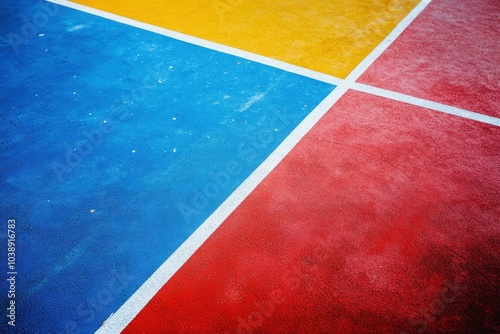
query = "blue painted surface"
x=151 y=133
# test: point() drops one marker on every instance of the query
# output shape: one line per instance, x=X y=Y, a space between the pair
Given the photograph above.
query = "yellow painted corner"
x=331 y=37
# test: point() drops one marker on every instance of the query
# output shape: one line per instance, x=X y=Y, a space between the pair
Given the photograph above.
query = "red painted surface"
x=449 y=54
x=383 y=219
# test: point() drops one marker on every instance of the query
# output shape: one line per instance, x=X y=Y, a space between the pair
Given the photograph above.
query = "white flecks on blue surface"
x=77 y=27
x=253 y=99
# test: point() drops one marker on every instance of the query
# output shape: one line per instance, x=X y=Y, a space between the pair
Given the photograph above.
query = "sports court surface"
x=238 y=166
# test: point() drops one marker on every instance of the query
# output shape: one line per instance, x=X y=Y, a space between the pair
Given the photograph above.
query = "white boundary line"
x=426 y=104
x=127 y=312
x=204 y=43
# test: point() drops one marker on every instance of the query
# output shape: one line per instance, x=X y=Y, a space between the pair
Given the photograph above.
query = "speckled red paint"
x=449 y=54
x=384 y=218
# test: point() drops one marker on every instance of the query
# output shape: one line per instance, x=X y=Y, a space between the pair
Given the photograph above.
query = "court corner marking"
x=387 y=41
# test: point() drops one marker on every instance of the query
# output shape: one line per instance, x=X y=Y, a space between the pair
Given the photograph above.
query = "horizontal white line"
x=204 y=43
x=426 y=104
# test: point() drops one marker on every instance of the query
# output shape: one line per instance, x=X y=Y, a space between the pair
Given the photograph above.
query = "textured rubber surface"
x=118 y=142
x=449 y=54
x=383 y=219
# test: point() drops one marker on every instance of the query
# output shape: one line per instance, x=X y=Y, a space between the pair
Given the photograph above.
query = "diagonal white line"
x=127 y=312
x=119 y=320
x=426 y=104
x=370 y=59
x=203 y=43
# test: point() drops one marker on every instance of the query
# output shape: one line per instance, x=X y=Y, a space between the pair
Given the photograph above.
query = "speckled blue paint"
x=176 y=128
